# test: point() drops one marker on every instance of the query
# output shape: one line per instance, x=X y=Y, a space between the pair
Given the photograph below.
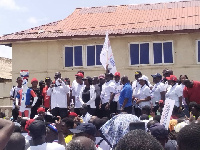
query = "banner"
x=106 y=56
x=167 y=112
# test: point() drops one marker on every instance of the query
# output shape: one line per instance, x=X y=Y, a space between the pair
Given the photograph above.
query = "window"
x=162 y=52
x=73 y=56
x=198 y=51
x=139 y=53
x=93 y=55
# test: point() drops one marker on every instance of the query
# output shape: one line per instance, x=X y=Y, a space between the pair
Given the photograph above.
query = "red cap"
x=28 y=123
x=117 y=74
x=172 y=77
x=79 y=74
x=34 y=79
x=41 y=109
x=73 y=114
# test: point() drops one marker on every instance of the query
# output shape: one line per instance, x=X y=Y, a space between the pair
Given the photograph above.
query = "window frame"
x=139 y=53
x=74 y=56
x=162 y=52
x=198 y=62
x=95 y=55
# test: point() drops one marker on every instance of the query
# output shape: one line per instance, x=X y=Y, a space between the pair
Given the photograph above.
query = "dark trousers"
x=113 y=107
x=33 y=112
x=128 y=109
x=105 y=112
x=15 y=113
x=77 y=111
x=137 y=111
x=92 y=111
x=62 y=112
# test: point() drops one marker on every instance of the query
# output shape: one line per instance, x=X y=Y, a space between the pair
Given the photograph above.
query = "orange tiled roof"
x=117 y=20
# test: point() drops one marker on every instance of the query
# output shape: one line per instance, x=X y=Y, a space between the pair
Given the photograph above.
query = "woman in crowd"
x=144 y=95
x=174 y=92
x=89 y=95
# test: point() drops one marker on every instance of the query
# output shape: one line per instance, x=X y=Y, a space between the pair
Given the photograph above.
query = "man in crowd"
x=107 y=94
x=58 y=93
x=38 y=132
x=44 y=93
x=191 y=91
x=76 y=93
x=16 y=142
x=13 y=94
x=158 y=91
x=125 y=98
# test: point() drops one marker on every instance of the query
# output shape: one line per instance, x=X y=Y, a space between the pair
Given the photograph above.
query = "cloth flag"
x=106 y=56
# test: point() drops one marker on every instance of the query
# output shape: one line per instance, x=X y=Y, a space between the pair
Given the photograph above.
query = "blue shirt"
x=126 y=92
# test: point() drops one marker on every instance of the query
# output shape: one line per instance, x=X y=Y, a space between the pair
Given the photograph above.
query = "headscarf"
x=115 y=128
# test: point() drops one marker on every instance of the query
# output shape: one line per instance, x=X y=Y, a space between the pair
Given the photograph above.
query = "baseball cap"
x=34 y=79
x=117 y=74
x=158 y=131
x=87 y=128
x=157 y=75
x=47 y=78
x=101 y=76
x=138 y=73
x=172 y=77
x=87 y=78
x=37 y=128
x=79 y=74
x=41 y=109
x=143 y=78
x=73 y=114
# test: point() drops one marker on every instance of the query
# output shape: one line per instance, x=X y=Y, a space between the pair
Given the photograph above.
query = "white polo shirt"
x=156 y=90
x=107 y=88
x=135 y=87
x=143 y=93
x=77 y=93
x=86 y=118
x=59 y=95
x=174 y=92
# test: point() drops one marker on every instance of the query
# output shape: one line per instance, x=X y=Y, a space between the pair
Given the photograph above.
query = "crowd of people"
x=103 y=112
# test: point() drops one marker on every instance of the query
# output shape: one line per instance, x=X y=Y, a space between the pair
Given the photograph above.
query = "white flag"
x=106 y=56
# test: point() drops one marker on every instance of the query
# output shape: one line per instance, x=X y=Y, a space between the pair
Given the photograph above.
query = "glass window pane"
x=134 y=54
x=90 y=55
x=144 y=53
x=168 y=56
x=157 y=52
x=98 y=52
x=78 y=55
x=68 y=56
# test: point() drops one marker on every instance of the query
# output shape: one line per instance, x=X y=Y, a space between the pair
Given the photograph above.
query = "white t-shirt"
x=156 y=90
x=143 y=93
x=107 y=88
x=135 y=87
x=173 y=93
x=182 y=86
x=13 y=93
x=47 y=146
x=59 y=95
x=103 y=145
x=86 y=118
x=77 y=93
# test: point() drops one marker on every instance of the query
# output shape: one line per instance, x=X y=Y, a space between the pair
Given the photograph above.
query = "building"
x=145 y=37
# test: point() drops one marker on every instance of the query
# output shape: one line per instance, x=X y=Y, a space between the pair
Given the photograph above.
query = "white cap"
x=144 y=78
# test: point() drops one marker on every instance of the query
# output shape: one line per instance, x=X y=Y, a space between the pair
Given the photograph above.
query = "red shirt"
x=46 y=98
x=193 y=94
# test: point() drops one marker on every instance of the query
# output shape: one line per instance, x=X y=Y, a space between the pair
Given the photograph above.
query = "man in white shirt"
x=107 y=95
x=114 y=106
x=77 y=93
x=13 y=94
x=58 y=93
x=158 y=91
x=38 y=132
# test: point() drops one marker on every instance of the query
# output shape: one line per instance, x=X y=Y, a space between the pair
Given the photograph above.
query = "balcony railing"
x=7 y=110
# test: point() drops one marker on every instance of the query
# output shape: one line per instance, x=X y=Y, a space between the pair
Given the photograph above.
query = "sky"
x=18 y=15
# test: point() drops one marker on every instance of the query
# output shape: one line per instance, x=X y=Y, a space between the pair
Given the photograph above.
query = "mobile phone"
x=137 y=125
